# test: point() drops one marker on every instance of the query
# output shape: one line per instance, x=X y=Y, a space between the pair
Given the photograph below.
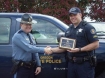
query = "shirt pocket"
x=80 y=34
x=80 y=37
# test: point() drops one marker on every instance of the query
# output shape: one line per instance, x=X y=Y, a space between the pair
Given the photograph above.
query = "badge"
x=93 y=31
x=80 y=30
x=73 y=9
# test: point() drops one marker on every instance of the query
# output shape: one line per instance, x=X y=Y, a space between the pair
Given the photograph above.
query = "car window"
x=4 y=30
x=99 y=26
x=45 y=31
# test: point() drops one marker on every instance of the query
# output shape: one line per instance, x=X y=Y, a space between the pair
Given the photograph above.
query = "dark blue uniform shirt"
x=79 y=33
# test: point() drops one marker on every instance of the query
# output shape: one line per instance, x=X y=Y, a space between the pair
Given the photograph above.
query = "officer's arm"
x=57 y=50
x=38 y=63
x=92 y=39
x=90 y=46
x=22 y=43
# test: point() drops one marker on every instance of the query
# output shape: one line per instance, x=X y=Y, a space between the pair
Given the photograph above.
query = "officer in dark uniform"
x=26 y=63
x=81 y=59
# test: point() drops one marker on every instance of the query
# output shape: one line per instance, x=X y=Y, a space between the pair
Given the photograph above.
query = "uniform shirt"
x=22 y=49
x=78 y=33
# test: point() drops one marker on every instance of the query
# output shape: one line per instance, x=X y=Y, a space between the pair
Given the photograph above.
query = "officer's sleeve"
x=23 y=44
x=36 y=55
x=91 y=33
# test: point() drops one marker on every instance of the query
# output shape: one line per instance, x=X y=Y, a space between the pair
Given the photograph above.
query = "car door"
x=7 y=29
x=45 y=32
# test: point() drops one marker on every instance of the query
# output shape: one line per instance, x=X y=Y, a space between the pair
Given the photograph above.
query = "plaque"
x=67 y=43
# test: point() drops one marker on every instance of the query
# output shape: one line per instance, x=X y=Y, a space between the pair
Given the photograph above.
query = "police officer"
x=25 y=53
x=80 y=58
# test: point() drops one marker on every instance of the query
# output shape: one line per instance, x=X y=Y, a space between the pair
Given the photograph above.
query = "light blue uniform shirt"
x=22 y=49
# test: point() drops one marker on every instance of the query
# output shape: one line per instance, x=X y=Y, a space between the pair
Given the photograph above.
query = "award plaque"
x=67 y=43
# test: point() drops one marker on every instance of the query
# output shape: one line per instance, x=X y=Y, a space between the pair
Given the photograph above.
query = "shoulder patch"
x=95 y=36
x=93 y=31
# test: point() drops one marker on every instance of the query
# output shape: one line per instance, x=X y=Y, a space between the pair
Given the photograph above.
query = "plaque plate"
x=67 y=43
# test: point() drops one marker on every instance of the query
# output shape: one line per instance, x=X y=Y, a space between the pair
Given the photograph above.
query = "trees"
x=97 y=10
x=56 y=8
x=8 y=5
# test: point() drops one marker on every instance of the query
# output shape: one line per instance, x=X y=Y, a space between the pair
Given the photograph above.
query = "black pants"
x=24 y=72
x=84 y=70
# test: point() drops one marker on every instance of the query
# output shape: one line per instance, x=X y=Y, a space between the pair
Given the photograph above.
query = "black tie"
x=31 y=42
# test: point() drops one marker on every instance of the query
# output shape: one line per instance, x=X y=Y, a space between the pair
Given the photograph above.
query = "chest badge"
x=80 y=30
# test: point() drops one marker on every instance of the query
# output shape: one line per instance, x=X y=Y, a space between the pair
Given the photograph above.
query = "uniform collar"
x=22 y=31
x=79 y=25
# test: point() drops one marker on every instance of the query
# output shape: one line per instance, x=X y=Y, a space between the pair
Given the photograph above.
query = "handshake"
x=48 y=50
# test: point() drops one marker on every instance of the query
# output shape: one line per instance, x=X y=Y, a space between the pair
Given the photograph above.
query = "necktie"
x=31 y=42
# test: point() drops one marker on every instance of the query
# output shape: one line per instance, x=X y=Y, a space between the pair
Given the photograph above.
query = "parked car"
x=45 y=32
x=100 y=52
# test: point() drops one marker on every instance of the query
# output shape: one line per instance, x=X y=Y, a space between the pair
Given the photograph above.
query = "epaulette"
x=71 y=25
x=84 y=23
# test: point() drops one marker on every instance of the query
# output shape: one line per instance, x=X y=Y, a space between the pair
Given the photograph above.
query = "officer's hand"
x=38 y=70
x=48 y=50
x=73 y=50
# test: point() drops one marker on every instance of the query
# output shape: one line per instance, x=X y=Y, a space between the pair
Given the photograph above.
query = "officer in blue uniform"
x=81 y=59
x=25 y=53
